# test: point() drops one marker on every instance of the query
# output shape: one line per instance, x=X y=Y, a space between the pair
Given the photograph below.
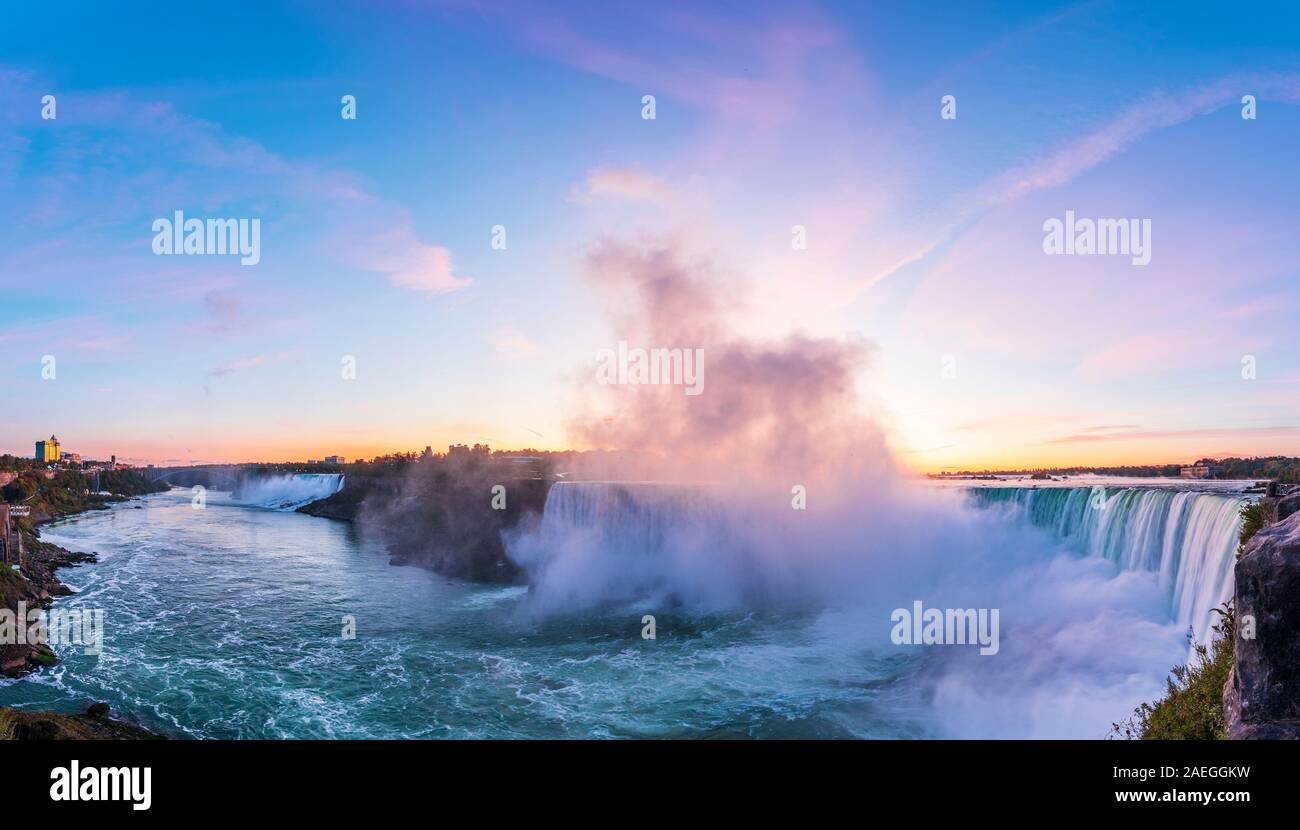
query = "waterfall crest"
x=1188 y=538
x=639 y=518
x=288 y=491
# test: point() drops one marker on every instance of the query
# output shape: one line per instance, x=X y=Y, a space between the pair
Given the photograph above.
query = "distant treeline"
x=472 y=456
x=1280 y=467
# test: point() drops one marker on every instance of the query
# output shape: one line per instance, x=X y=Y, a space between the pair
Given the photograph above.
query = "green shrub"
x=1254 y=518
x=1192 y=708
x=8 y=575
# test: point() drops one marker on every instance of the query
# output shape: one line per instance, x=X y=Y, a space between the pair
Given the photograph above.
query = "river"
x=229 y=622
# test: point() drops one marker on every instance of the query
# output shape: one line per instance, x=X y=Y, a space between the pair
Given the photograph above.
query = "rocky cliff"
x=30 y=589
x=1262 y=696
x=447 y=517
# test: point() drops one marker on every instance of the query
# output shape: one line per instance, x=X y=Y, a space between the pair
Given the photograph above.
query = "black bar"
x=231 y=780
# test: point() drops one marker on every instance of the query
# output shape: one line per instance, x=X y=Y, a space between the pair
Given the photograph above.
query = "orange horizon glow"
x=165 y=454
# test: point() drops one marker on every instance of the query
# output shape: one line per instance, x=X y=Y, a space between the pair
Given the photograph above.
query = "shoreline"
x=37 y=586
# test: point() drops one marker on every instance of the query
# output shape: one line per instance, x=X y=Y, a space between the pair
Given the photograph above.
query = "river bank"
x=94 y=725
x=36 y=587
x=33 y=586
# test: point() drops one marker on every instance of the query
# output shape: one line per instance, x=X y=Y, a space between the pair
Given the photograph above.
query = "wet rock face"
x=1262 y=699
x=1288 y=506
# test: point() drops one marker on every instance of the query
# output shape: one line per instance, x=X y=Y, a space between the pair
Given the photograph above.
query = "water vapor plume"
x=773 y=410
x=775 y=493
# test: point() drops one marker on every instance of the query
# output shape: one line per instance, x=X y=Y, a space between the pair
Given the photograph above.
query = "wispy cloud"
x=755 y=68
x=245 y=363
x=1071 y=159
x=1156 y=112
x=106 y=179
x=630 y=183
x=508 y=342
x=410 y=263
x=1281 y=431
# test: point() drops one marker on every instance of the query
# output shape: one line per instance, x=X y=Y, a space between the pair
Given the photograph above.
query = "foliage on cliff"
x=1192 y=708
x=66 y=492
x=1254 y=518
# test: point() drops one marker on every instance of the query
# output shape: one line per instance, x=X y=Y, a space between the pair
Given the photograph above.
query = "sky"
x=923 y=236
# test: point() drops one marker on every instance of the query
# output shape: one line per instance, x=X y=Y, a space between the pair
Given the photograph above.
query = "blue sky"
x=924 y=234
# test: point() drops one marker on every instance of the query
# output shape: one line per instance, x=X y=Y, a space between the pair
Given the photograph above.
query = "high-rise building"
x=47 y=452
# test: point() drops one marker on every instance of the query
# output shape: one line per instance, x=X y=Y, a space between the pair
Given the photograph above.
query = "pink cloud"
x=749 y=68
x=629 y=183
x=409 y=262
x=512 y=343
x=103 y=344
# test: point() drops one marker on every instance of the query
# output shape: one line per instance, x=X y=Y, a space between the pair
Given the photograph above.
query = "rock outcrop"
x=1288 y=506
x=1262 y=695
x=94 y=725
x=31 y=589
x=443 y=517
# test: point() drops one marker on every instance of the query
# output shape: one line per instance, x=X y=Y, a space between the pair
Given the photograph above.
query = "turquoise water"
x=1188 y=538
x=227 y=623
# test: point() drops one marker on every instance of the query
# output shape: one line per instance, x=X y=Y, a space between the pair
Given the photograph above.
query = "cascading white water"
x=636 y=517
x=1188 y=538
x=611 y=541
x=288 y=491
x=1081 y=638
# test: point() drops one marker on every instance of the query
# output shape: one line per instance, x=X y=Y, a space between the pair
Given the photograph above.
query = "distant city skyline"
x=443 y=240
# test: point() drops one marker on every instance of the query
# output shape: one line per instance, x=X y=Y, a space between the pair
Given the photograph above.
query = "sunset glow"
x=924 y=235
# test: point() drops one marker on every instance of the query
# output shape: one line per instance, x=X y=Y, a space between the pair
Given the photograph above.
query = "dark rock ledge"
x=1261 y=699
x=94 y=725
x=34 y=588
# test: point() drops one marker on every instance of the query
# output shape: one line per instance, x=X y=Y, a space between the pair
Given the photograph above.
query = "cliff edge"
x=1261 y=699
